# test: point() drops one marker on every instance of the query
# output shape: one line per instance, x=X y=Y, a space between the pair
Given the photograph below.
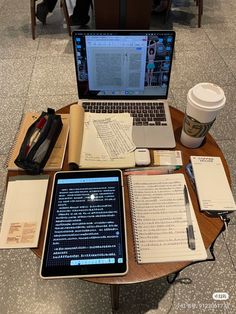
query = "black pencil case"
x=39 y=141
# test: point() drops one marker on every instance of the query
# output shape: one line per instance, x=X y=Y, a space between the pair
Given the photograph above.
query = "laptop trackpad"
x=139 y=137
x=153 y=137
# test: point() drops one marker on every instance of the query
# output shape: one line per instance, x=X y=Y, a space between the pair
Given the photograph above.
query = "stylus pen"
x=147 y=172
x=189 y=229
x=168 y=169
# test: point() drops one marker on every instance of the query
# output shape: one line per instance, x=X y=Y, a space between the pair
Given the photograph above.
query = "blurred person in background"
x=80 y=14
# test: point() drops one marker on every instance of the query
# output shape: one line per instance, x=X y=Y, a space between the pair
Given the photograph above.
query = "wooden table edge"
x=147 y=272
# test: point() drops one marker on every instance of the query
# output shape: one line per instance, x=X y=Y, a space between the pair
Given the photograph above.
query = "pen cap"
x=41 y=123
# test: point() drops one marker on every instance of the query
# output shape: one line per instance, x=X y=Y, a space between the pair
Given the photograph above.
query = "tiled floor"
x=37 y=74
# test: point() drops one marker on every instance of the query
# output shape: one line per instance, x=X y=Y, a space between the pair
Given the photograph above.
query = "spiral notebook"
x=159 y=219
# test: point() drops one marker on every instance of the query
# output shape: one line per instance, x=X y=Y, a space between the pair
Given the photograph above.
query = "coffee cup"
x=204 y=101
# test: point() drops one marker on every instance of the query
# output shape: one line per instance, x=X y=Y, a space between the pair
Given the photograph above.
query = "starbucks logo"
x=194 y=128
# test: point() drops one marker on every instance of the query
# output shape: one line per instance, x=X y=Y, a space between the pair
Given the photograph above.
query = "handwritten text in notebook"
x=160 y=221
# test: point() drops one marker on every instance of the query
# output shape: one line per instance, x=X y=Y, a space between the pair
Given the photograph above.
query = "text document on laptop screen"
x=125 y=64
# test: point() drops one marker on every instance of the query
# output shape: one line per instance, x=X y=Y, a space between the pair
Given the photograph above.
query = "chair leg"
x=33 y=17
x=200 y=12
x=168 y=10
x=201 y=7
x=67 y=18
x=115 y=289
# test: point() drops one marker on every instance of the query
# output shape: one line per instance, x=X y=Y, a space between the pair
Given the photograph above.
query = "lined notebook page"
x=159 y=219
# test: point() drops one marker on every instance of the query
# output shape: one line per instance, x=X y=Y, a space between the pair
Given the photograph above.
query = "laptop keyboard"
x=145 y=113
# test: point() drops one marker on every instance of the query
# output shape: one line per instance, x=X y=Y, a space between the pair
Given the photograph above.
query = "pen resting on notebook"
x=189 y=229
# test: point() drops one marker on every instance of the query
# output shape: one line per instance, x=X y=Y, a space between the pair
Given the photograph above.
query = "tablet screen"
x=86 y=227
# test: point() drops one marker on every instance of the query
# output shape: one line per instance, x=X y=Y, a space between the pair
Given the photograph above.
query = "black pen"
x=189 y=229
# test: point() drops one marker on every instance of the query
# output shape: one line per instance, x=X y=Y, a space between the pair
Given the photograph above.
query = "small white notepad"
x=213 y=189
x=159 y=219
x=23 y=211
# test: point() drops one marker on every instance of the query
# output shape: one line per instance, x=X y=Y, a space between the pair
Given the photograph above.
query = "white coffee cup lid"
x=207 y=95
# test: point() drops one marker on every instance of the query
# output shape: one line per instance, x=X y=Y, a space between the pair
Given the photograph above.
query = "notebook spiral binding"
x=13 y=146
x=134 y=221
x=11 y=151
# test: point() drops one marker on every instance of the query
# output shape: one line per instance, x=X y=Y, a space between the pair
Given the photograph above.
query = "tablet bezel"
x=100 y=270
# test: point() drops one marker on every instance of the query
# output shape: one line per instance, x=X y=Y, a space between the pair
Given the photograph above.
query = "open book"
x=159 y=218
x=100 y=140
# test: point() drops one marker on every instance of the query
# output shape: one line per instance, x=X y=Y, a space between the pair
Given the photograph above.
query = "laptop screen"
x=123 y=64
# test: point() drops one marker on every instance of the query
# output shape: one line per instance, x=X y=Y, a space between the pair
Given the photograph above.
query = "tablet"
x=86 y=231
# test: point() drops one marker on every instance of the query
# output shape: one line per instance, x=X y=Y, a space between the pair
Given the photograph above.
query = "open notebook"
x=159 y=219
x=87 y=149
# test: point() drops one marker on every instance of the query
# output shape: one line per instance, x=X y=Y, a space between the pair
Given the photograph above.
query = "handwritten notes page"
x=114 y=137
x=103 y=141
x=160 y=221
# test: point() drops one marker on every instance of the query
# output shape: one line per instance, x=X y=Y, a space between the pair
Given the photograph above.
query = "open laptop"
x=128 y=71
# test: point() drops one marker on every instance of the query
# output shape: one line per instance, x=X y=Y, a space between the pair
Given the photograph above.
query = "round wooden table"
x=209 y=226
